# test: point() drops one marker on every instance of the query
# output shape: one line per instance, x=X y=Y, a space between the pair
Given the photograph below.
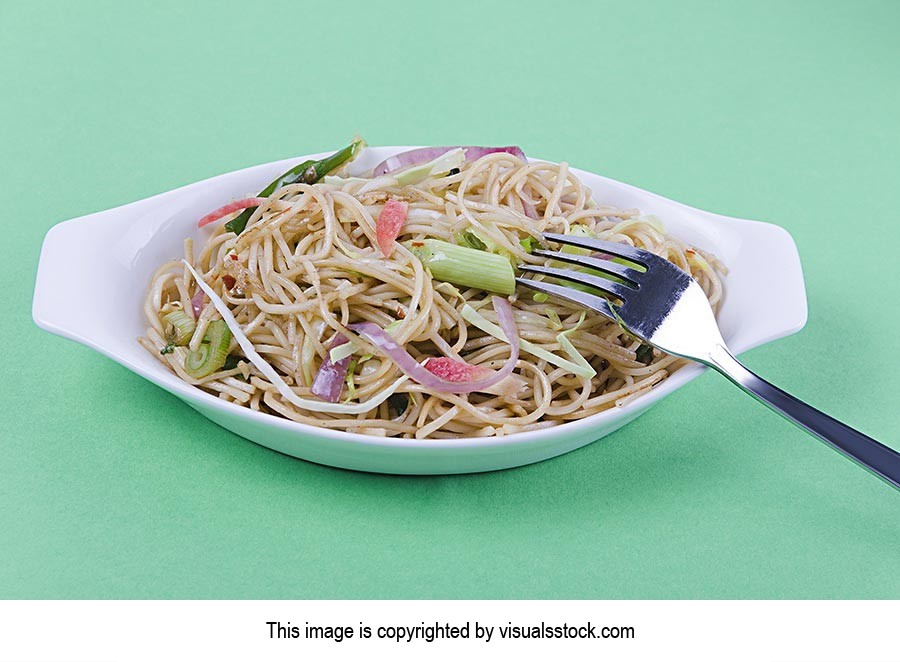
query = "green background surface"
x=787 y=112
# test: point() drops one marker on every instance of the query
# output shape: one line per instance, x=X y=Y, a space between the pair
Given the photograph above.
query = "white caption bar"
x=139 y=631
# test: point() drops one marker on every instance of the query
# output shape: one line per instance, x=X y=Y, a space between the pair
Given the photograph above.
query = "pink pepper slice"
x=230 y=208
x=421 y=374
x=390 y=222
x=451 y=370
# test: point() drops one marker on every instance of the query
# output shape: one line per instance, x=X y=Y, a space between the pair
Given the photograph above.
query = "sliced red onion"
x=197 y=303
x=530 y=211
x=410 y=367
x=330 y=378
x=527 y=205
x=230 y=208
x=425 y=154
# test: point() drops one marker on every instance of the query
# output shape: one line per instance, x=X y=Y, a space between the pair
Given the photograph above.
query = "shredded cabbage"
x=571 y=350
x=270 y=373
x=580 y=368
x=446 y=162
x=350 y=348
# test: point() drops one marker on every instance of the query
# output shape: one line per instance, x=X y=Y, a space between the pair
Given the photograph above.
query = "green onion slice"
x=212 y=353
x=179 y=327
x=466 y=267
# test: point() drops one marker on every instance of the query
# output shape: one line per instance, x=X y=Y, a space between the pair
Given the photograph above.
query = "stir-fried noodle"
x=309 y=266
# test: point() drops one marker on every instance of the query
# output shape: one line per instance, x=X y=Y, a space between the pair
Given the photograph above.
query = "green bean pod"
x=308 y=172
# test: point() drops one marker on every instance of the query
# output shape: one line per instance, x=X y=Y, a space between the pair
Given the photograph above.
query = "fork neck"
x=724 y=361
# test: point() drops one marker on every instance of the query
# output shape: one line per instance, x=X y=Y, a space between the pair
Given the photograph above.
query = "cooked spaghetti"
x=382 y=305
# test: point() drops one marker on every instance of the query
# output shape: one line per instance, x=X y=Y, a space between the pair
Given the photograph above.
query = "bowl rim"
x=193 y=395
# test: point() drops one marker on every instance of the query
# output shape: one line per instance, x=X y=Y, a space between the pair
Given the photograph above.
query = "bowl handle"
x=771 y=284
x=77 y=281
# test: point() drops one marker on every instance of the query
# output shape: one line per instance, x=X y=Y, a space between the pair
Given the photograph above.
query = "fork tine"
x=611 y=247
x=603 y=284
x=586 y=299
x=599 y=264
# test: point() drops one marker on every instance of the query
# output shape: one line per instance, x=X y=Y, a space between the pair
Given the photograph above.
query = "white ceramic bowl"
x=112 y=254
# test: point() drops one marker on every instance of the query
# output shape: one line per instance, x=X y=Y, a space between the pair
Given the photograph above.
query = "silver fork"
x=666 y=308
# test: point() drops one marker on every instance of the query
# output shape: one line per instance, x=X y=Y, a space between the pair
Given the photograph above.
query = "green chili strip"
x=308 y=172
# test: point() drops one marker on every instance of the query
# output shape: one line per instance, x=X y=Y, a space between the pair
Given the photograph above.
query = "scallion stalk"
x=212 y=353
x=469 y=239
x=466 y=267
x=179 y=327
x=308 y=172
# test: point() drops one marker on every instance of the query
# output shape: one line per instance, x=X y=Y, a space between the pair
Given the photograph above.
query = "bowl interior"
x=114 y=254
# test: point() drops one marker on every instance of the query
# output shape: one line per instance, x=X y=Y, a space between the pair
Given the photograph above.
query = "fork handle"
x=873 y=455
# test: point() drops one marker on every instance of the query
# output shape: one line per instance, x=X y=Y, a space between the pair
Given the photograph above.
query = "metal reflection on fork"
x=663 y=306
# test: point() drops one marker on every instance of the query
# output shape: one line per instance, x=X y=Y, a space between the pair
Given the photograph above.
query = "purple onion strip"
x=197 y=303
x=410 y=367
x=425 y=154
x=330 y=378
